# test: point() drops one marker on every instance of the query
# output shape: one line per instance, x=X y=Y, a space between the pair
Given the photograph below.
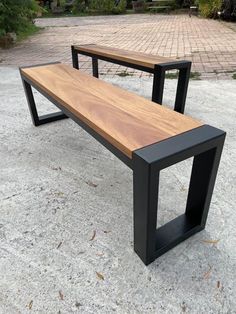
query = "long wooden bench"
x=160 y=5
x=155 y=64
x=145 y=136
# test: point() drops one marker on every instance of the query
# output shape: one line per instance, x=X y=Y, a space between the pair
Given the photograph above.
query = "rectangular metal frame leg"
x=158 y=84
x=182 y=87
x=75 y=59
x=205 y=144
x=36 y=119
x=202 y=182
x=146 y=183
x=95 y=67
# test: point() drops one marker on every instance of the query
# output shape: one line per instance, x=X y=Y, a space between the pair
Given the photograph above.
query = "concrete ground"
x=66 y=243
x=209 y=44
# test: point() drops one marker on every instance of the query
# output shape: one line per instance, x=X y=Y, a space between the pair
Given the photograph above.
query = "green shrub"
x=120 y=8
x=16 y=15
x=108 y=6
x=79 y=6
x=209 y=8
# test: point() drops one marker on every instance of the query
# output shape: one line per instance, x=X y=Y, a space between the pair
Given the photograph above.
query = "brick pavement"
x=210 y=44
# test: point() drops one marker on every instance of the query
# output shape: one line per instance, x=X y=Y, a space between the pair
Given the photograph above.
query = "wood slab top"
x=138 y=58
x=126 y=120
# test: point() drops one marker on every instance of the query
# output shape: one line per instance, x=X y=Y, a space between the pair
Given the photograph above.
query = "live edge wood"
x=138 y=58
x=126 y=120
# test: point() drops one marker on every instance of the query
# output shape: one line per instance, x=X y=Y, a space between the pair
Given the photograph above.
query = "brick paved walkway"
x=211 y=45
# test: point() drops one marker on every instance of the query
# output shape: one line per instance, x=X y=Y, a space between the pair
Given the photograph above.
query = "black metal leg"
x=75 y=59
x=51 y=117
x=205 y=143
x=202 y=182
x=145 y=210
x=95 y=67
x=182 y=88
x=158 y=84
x=31 y=103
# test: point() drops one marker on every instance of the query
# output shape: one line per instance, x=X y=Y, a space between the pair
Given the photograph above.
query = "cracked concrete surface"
x=66 y=216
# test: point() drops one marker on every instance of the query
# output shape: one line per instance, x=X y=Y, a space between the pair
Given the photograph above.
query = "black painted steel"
x=159 y=70
x=95 y=67
x=205 y=144
x=182 y=88
x=158 y=84
x=51 y=117
x=31 y=102
x=75 y=59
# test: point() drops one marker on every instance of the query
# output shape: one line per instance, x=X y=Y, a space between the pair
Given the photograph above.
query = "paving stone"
x=209 y=44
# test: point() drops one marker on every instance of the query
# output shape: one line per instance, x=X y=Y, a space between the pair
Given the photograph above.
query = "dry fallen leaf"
x=90 y=183
x=100 y=276
x=30 y=304
x=184 y=307
x=59 y=194
x=59 y=245
x=61 y=295
x=77 y=304
x=207 y=274
x=99 y=254
x=93 y=236
x=56 y=168
x=211 y=241
x=218 y=284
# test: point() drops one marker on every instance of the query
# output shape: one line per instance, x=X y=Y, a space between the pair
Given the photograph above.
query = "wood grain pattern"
x=126 y=120
x=138 y=58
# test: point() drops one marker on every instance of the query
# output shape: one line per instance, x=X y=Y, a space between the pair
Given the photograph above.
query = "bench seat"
x=155 y=64
x=146 y=137
x=134 y=57
x=127 y=121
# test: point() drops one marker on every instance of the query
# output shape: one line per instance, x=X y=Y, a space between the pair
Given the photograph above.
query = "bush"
x=108 y=6
x=79 y=6
x=120 y=8
x=129 y=4
x=209 y=8
x=16 y=15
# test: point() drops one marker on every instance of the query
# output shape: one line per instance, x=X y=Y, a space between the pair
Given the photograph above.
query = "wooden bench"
x=155 y=64
x=155 y=9
x=160 y=5
x=146 y=137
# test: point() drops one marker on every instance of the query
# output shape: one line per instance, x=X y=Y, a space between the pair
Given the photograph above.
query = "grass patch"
x=234 y=76
x=124 y=73
x=49 y=14
x=171 y=75
x=195 y=75
x=174 y=75
x=26 y=32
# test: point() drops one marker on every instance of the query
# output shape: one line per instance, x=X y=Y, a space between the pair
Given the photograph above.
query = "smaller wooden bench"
x=160 y=5
x=146 y=137
x=155 y=64
x=155 y=9
x=193 y=8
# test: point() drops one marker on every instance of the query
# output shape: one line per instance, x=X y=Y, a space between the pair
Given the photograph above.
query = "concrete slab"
x=66 y=216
